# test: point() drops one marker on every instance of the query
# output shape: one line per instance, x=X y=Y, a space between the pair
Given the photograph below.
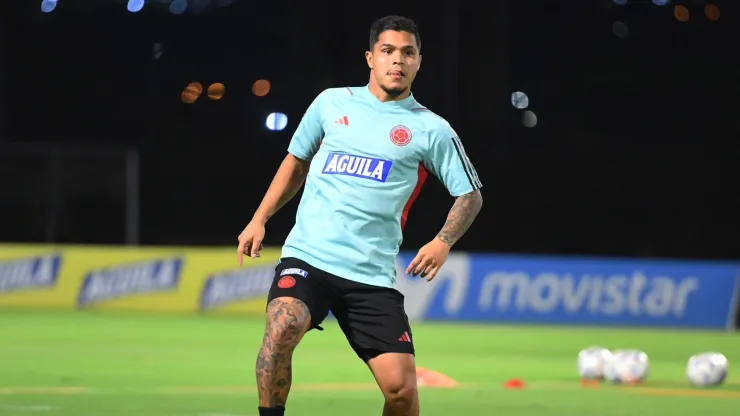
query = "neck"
x=382 y=96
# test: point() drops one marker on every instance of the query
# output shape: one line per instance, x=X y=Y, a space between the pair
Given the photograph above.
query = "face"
x=394 y=61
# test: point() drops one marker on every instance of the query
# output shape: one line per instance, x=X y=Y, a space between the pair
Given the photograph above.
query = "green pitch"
x=85 y=364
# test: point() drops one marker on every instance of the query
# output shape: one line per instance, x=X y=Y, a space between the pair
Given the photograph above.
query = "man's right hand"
x=250 y=241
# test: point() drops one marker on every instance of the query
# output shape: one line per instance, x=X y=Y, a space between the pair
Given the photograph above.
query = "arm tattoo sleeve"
x=461 y=216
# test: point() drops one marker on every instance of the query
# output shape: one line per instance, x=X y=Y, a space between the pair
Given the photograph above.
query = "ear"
x=369 y=59
x=419 y=62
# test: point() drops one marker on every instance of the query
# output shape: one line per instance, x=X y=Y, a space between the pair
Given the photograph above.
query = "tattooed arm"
x=433 y=255
x=447 y=160
x=461 y=216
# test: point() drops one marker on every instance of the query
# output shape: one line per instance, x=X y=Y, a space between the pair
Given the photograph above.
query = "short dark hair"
x=395 y=23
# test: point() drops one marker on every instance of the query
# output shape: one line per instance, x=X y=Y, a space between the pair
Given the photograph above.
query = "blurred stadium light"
x=216 y=91
x=660 y=2
x=529 y=119
x=191 y=92
x=261 y=87
x=682 y=13
x=712 y=12
x=158 y=50
x=47 y=6
x=135 y=5
x=620 y=2
x=178 y=6
x=620 y=29
x=276 y=121
x=519 y=100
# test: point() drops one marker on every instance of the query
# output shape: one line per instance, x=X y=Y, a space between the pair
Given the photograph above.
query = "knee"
x=401 y=393
x=288 y=319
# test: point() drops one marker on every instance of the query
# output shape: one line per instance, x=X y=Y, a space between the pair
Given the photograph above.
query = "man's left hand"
x=429 y=260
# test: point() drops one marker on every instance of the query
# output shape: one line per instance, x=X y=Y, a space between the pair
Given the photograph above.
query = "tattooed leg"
x=288 y=319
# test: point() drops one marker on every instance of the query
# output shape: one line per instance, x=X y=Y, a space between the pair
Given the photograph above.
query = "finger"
x=433 y=274
x=428 y=269
x=413 y=264
x=244 y=248
x=422 y=265
x=423 y=271
x=256 y=247
x=240 y=254
x=430 y=266
x=419 y=267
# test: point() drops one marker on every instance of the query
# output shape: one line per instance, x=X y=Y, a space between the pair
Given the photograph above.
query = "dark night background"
x=634 y=152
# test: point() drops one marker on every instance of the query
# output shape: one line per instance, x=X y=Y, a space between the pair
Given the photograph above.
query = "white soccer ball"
x=707 y=369
x=592 y=362
x=610 y=370
x=627 y=367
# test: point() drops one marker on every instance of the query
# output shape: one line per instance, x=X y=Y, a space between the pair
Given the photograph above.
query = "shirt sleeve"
x=307 y=137
x=447 y=160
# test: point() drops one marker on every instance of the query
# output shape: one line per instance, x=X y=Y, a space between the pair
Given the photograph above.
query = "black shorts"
x=372 y=318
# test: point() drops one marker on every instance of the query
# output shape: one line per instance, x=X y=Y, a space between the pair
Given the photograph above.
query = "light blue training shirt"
x=368 y=161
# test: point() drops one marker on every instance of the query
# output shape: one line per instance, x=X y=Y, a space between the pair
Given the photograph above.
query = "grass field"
x=85 y=364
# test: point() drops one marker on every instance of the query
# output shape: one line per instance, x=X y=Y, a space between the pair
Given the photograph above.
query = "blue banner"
x=571 y=291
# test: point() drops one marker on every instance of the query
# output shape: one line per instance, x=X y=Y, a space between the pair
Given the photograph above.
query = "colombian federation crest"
x=401 y=135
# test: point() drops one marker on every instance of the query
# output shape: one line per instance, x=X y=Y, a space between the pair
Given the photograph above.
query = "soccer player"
x=363 y=153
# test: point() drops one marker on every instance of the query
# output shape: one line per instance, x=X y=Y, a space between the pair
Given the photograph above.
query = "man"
x=363 y=153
